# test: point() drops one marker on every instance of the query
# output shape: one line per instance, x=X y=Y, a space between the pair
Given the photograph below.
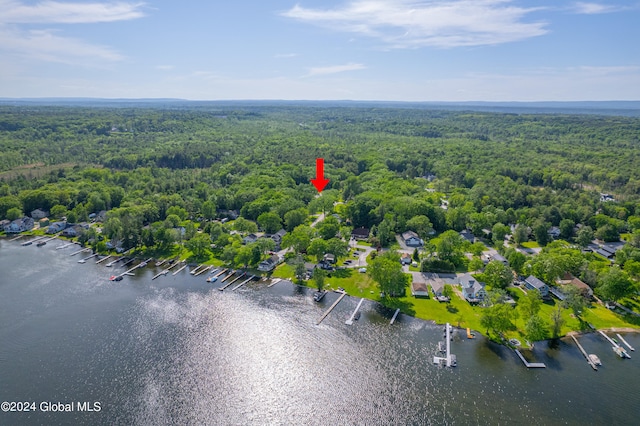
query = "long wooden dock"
x=196 y=269
x=180 y=269
x=395 y=315
x=17 y=238
x=104 y=258
x=87 y=258
x=328 y=311
x=230 y=282
x=625 y=342
x=64 y=246
x=243 y=283
x=355 y=311
x=80 y=251
x=228 y=276
x=202 y=271
x=128 y=262
x=584 y=353
x=274 y=282
x=159 y=274
x=173 y=265
x=529 y=364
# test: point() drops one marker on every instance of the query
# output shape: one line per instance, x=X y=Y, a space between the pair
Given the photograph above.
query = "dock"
x=79 y=251
x=64 y=246
x=529 y=364
x=355 y=311
x=470 y=335
x=104 y=258
x=173 y=265
x=202 y=271
x=274 y=282
x=220 y=272
x=328 y=311
x=164 y=272
x=128 y=262
x=584 y=353
x=113 y=262
x=232 y=281
x=196 y=269
x=622 y=353
x=17 y=238
x=243 y=283
x=161 y=262
x=625 y=342
x=87 y=258
x=450 y=359
x=228 y=276
x=180 y=269
x=394 y=316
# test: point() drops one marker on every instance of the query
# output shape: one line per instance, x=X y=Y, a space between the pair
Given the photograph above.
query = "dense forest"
x=391 y=170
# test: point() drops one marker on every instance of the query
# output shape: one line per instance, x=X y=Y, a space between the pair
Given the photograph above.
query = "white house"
x=411 y=239
x=269 y=264
x=472 y=290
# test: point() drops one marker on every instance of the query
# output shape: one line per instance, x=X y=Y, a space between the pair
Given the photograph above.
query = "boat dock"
x=159 y=274
x=64 y=246
x=79 y=251
x=449 y=359
x=230 y=282
x=174 y=264
x=274 y=282
x=622 y=353
x=625 y=342
x=222 y=271
x=355 y=311
x=180 y=269
x=243 y=283
x=228 y=276
x=196 y=269
x=470 y=335
x=202 y=271
x=591 y=363
x=113 y=262
x=104 y=258
x=161 y=262
x=87 y=258
x=529 y=364
x=394 y=316
x=328 y=311
x=17 y=238
x=128 y=262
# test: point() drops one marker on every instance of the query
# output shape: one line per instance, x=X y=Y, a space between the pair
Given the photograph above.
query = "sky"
x=387 y=50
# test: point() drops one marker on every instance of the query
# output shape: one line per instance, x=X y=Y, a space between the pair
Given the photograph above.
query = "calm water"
x=177 y=351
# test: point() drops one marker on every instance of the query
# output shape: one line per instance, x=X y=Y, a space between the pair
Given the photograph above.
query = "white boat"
x=594 y=359
x=621 y=352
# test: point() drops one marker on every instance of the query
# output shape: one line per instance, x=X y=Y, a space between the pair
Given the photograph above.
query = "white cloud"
x=418 y=23
x=334 y=69
x=46 y=44
x=594 y=8
x=16 y=12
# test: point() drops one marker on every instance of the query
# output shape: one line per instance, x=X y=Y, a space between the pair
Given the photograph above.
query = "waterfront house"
x=269 y=264
x=56 y=227
x=73 y=231
x=584 y=288
x=19 y=225
x=411 y=239
x=3 y=223
x=419 y=286
x=360 y=233
x=437 y=287
x=533 y=283
x=472 y=290
x=39 y=214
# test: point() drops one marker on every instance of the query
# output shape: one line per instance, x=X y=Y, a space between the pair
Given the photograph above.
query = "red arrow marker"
x=319 y=182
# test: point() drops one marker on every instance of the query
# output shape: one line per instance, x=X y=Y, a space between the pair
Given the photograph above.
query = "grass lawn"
x=531 y=244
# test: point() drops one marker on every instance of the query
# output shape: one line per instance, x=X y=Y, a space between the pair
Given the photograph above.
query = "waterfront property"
x=269 y=264
x=472 y=290
x=533 y=283
x=19 y=225
x=419 y=285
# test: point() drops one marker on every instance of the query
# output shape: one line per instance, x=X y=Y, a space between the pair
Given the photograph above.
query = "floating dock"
x=328 y=311
x=585 y=354
x=355 y=311
x=616 y=347
x=243 y=283
x=161 y=262
x=87 y=258
x=104 y=258
x=180 y=269
x=202 y=271
x=173 y=265
x=450 y=359
x=230 y=282
x=80 y=251
x=625 y=342
x=128 y=262
x=228 y=276
x=64 y=246
x=529 y=364
x=274 y=282
x=17 y=238
x=394 y=316
x=164 y=272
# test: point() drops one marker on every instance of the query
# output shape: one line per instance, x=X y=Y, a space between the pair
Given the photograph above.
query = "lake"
x=176 y=350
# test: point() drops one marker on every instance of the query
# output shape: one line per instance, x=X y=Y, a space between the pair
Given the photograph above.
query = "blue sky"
x=404 y=50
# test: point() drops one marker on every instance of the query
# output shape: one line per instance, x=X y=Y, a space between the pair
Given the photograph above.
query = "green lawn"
x=531 y=244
